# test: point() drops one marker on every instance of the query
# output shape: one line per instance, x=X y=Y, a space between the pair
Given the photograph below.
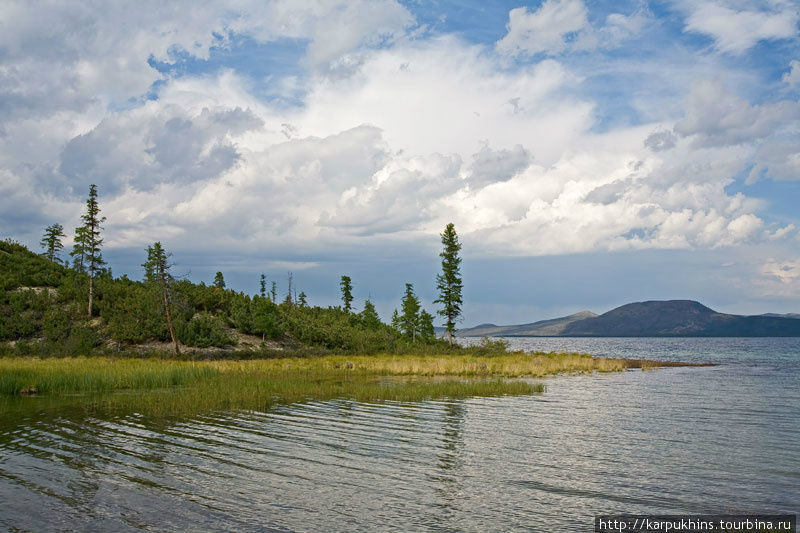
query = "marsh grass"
x=158 y=386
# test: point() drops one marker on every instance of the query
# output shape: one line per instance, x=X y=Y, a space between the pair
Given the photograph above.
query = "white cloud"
x=617 y=29
x=544 y=30
x=715 y=117
x=421 y=133
x=793 y=76
x=787 y=272
x=737 y=30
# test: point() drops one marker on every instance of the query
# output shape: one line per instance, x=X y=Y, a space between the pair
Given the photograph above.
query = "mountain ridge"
x=652 y=318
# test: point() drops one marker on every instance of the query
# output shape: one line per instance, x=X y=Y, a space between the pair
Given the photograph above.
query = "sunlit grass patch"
x=168 y=386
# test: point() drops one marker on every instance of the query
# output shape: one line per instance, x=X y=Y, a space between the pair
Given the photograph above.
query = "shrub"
x=202 y=331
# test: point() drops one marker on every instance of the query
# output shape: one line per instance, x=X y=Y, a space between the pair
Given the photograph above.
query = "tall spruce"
x=88 y=241
x=409 y=317
x=219 y=280
x=156 y=271
x=273 y=292
x=369 y=316
x=347 y=293
x=449 y=281
x=263 y=286
x=51 y=241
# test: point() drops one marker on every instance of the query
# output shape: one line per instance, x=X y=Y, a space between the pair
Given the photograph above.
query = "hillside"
x=671 y=318
x=43 y=311
x=676 y=318
x=543 y=328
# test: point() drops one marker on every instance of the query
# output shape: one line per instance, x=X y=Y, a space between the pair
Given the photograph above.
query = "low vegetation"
x=25 y=375
x=180 y=387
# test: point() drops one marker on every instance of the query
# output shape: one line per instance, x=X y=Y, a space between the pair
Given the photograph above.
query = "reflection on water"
x=676 y=440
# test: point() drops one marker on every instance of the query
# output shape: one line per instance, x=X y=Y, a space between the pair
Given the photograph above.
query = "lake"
x=722 y=439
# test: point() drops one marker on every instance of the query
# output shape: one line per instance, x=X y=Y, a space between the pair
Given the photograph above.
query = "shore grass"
x=165 y=386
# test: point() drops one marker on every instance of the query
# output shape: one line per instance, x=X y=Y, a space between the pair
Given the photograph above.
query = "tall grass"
x=95 y=374
x=182 y=387
x=509 y=365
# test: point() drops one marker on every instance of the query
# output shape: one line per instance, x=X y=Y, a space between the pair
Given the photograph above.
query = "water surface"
x=721 y=439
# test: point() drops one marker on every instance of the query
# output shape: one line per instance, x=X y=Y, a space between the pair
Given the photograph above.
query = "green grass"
x=161 y=386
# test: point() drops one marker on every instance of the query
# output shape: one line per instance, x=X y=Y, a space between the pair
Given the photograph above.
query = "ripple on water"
x=673 y=440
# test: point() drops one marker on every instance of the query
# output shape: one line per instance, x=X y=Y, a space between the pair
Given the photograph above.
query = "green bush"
x=82 y=340
x=202 y=331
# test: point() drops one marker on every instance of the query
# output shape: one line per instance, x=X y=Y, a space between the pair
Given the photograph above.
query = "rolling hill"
x=671 y=318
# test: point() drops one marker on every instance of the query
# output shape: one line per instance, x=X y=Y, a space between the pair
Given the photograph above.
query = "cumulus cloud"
x=715 y=117
x=492 y=166
x=661 y=140
x=737 y=30
x=149 y=146
x=390 y=143
x=544 y=30
x=562 y=25
x=792 y=77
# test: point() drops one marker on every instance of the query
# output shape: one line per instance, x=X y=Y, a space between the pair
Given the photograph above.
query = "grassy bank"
x=102 y=374
x=181 y=387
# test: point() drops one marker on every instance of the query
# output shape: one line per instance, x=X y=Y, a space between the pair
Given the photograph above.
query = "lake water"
x=723 y=439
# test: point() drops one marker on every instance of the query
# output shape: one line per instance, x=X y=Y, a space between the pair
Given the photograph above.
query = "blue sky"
x=590 y=153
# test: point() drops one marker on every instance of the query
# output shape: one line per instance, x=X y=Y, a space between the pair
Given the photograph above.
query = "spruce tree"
x=88 y=241
x=395 y=322
x=273 y=292
x=219 y=280
x=51 y=241
x=449 y=281
x=78 y=252
x=157 y=271
x=263 y=286
x=347 y=292
x=426 y=331
x=409 y=318
x=369 y=316
x=302 y=300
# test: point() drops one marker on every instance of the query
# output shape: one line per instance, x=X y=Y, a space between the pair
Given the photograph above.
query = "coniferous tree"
x=263 y=286
x=219 y=280
x=395 y=320
x=88 y=241
x=51 y=241
x=449 y=281
x=274 y=292
x=409 y=318
x=426 y=331
x=369 y=316
x=347 y=292
x=156 y=270
x=302 y=299
x=78 y=252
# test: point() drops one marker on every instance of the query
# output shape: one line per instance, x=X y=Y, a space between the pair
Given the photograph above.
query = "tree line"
x=412 y=321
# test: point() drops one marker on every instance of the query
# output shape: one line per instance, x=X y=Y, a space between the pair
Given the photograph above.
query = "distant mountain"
x=785 y=315
x=543 y=328
x=672 y=318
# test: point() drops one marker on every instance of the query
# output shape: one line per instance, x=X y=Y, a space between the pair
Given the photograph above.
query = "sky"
x=590 y=153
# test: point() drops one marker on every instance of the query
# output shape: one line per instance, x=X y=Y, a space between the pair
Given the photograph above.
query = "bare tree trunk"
x=169 y=314
x=91 y=287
